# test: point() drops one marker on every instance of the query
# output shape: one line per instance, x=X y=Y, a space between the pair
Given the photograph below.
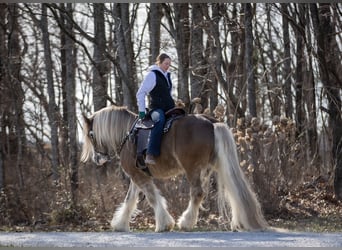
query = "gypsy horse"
x=196 y=145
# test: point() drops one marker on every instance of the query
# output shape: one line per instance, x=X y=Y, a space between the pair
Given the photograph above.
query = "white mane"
x=110 y=126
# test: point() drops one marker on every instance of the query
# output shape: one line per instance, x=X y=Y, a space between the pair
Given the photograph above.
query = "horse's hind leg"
x=189 y=217
x=123 y=214
x=164 y=221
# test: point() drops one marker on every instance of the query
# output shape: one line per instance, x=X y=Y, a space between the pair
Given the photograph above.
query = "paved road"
x=172 y=239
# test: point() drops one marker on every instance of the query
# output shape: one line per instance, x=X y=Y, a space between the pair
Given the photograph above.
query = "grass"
x=314 y=224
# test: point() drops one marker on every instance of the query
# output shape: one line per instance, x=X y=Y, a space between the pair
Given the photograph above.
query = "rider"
x=157 y=84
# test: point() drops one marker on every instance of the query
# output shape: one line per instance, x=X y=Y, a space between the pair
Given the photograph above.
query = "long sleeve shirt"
x=147 y=86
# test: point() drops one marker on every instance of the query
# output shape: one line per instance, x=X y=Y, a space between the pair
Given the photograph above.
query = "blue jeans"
x=158 y=116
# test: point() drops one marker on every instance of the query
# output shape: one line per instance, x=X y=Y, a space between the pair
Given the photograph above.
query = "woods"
x=271 y=71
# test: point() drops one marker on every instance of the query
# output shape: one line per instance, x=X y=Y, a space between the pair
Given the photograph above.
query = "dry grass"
x=293 y=192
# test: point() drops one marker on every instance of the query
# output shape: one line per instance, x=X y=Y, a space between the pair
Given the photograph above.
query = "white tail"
x=233 y=187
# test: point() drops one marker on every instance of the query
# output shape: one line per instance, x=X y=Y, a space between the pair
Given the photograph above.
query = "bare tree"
x=3 y=91
x=155 y=16
x=299 y=31
x=329 y=58
x=249 y=68
x=181 y=33
x=196 y=50
x=15 y=91
x=177 y=16
x=2 y=168
x=234 y=73
x=125 y=53
x=274 y=90
x=287 y=62
x=100 y=69
x=309 y=92
x=215 y=57
x=53 y=109
x=70 y=65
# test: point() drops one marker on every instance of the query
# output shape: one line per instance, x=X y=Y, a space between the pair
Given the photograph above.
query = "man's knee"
x=157 y=115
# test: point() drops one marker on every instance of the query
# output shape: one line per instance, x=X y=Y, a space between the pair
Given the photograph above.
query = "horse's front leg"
x=164 y=221
x=123 y=214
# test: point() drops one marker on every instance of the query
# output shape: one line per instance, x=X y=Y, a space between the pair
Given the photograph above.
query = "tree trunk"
x=16 y=91
x=64 y=148
x=2 y=168
x=12 y=131
x=100 y=69
x=3 y=97
x=155 y=16
x=182 y=38
x=287 y=63
x=300 y=27
x=197 y=62
x=125 y=54
x=274 y=85
x=310 y=97
x=70 y=53
x=249 y=71
x=235 y=81
x=53 y=109
x=217 y=10
x=329 y=61
x=241 y=89
x=215 y=58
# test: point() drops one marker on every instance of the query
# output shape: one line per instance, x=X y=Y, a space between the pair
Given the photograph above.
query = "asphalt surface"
x=171 y=239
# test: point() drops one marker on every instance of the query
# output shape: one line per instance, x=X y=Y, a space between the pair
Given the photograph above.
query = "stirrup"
x=140 y=164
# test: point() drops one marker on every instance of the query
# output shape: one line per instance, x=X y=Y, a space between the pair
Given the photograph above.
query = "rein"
x=119 y=149
x=110 y=157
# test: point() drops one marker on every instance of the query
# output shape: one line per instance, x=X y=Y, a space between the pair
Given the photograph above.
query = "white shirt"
x=147 y=86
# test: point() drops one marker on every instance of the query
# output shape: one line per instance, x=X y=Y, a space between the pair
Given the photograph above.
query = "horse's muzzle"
x=100 y=159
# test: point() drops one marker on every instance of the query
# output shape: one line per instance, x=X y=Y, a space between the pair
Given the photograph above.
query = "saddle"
x=142 y=129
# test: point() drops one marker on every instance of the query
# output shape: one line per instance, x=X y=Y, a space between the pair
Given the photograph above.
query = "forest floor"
x=310 y=208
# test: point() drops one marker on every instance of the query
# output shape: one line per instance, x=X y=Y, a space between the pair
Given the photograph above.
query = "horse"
x=197 y=146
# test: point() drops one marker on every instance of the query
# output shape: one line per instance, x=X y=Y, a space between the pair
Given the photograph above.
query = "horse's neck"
x=129 y=121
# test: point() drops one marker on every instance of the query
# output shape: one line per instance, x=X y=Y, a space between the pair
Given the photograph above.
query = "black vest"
x=160 y=94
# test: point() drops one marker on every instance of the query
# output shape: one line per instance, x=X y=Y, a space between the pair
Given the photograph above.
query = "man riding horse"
x=157 y=84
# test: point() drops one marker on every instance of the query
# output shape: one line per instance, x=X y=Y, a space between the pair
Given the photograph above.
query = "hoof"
x=119 y=228
x=185 y=225
x=167 y=228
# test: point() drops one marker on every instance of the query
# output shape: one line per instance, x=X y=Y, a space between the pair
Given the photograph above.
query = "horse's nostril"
x=95 y=158
x=98 y=159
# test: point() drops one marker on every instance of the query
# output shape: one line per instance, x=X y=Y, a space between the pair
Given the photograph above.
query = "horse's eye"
x=91 y=134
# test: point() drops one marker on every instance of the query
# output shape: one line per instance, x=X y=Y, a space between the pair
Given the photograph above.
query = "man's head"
x=163 y=61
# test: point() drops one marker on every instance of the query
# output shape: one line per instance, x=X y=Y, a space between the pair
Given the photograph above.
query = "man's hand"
x=142 y=115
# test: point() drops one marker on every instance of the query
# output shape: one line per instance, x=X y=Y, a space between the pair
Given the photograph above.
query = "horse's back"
x=194 y=129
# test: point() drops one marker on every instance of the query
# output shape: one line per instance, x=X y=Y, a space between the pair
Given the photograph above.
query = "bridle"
x=107 y=156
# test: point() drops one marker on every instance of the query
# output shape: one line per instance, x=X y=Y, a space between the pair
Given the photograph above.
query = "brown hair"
x=161 y=58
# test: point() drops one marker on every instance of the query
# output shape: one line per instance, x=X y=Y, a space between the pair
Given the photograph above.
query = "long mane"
x=109 y=125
